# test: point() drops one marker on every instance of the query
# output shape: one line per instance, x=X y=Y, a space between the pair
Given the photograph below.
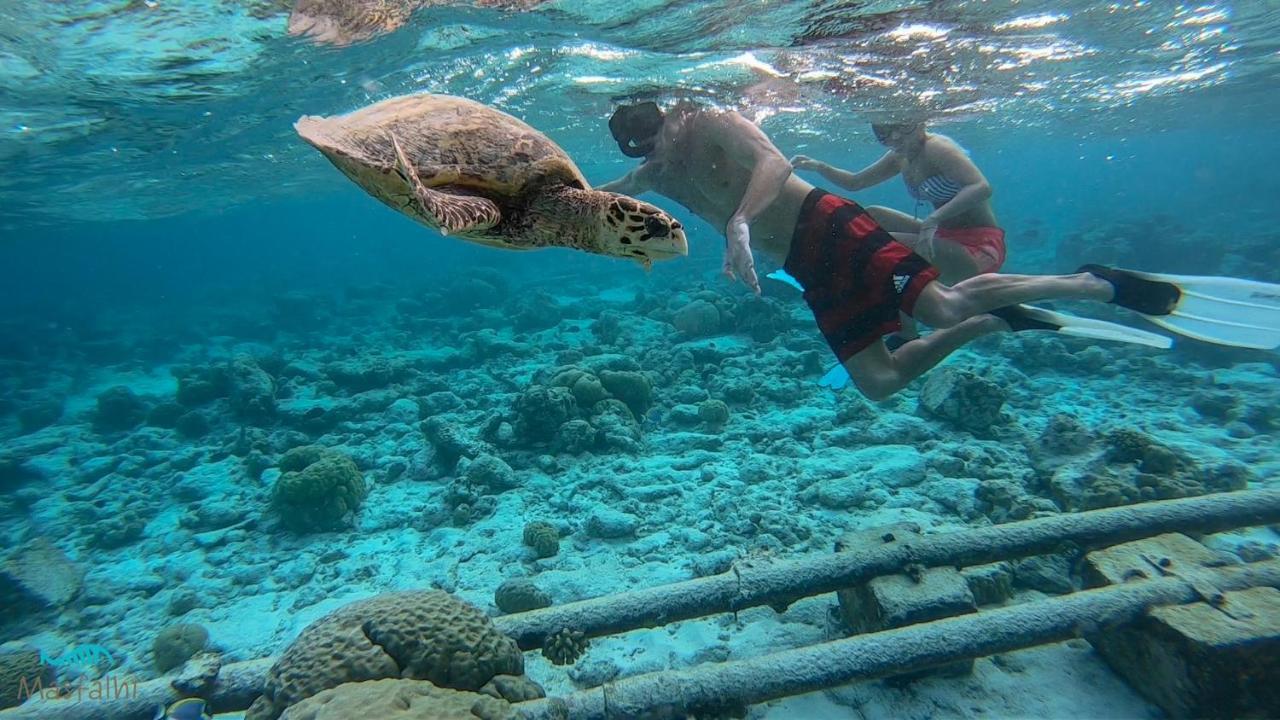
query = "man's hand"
x=737 y=253
x=804 y=162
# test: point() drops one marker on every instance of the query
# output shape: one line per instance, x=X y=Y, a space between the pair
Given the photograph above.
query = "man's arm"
x=877 y=172
x=751 y=148
x=633 y=183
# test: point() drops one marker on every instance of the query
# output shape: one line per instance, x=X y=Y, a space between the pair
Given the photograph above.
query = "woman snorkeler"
x=961 y=236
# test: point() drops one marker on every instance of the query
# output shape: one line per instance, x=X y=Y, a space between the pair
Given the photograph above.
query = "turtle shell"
x=342 y=22
x=450 y=141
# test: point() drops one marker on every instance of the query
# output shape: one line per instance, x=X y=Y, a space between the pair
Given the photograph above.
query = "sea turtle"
x=343 y=22
x=468 y=170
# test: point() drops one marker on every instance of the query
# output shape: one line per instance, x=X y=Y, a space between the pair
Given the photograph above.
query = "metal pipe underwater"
x=749 y=585
x=712 y=686
x=782 y=582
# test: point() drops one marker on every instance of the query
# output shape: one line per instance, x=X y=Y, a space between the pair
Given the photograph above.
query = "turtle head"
x=629 y=228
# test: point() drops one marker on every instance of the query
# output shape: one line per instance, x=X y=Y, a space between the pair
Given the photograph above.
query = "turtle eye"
x=656 y=226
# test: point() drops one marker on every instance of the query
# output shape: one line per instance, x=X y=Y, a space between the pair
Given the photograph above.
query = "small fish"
x=189 y=709
x=79 y=656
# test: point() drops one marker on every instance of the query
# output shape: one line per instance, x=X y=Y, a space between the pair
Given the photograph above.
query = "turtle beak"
x=670 y=243
x=677 y=245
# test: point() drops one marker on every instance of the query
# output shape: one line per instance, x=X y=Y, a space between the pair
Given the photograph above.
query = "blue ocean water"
x=191 y=293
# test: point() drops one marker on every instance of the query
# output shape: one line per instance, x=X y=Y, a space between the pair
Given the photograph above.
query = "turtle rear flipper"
x=452 y=212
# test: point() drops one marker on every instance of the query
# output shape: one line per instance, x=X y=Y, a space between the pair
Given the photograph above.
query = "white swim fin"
x=1222 y=310
x=1030 y=317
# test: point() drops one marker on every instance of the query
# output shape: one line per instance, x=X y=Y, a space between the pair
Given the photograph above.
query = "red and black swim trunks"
x=855 y=275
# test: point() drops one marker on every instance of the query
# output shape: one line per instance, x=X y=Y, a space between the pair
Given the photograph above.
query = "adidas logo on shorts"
x=899 y=282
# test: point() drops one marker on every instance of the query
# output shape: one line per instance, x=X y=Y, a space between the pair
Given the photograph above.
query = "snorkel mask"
x=635 y=128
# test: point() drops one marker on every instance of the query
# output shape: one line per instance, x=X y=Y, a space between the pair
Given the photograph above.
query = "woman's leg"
x=953 y=261
x=950 y=257
x=895 y=221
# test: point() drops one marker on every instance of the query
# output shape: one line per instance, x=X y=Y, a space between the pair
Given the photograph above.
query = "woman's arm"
x=877 y=172
x=952 y=162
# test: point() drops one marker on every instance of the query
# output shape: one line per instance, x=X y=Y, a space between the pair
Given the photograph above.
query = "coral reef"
x=565 y=646
x=543 y=538
x=540 y=411
x=513 y=688
x=317 y=489
x=19 y=670
x=420 y=635
x=963 y=398
x=697 y=319
x=518 y=595
x=604 y=435
x=177 y=644
x=40 y=414
x=119 y=409
x=39 y=574
x=1065 y=435
x=395 y=699
x=253 y=391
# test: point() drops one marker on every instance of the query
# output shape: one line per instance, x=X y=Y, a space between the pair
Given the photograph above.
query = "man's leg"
x=942 y=306
x=879 y=374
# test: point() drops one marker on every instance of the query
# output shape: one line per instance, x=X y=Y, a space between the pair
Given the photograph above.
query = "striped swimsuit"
x=984 y=244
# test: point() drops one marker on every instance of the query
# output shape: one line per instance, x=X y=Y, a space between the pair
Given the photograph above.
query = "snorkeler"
x=856 y=278
x=961 y=236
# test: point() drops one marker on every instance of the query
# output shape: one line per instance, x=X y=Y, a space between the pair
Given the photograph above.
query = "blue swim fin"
x=836 y=378
x=785 y=277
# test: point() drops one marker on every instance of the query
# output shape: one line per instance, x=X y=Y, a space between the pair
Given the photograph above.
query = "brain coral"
x=317 y=489
x=177 y=644
x=518 y=595
x=398 y=700
x=423 y=635
x=543 y=538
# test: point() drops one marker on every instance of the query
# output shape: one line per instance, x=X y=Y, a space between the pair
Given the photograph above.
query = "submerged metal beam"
x=749 y=585
x=118 y=697
x=714 y=685
x=779 y=583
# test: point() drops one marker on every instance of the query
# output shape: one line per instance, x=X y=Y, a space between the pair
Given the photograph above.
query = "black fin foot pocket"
x=1149 y=297
x=1018 y=319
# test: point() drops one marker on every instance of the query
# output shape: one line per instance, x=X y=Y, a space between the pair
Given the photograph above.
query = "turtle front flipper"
x=452 y=212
